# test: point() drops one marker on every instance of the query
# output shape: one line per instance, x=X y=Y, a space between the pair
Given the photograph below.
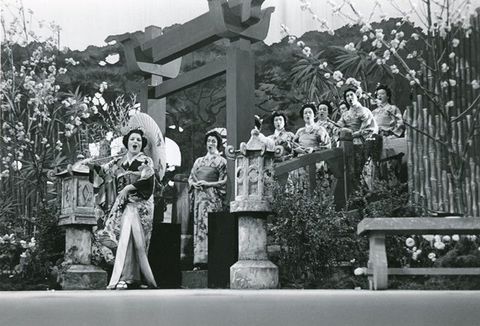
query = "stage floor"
x=240 y=307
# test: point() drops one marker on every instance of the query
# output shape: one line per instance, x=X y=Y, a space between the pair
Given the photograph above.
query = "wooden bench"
x=377 y=228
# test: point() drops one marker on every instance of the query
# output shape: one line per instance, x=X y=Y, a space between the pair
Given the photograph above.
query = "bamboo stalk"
x=419 y=158
x=451 y=200
x=416 y=165
x=473 y=187
x=446 y=199
x=428 y=190
x=477 y=179
x=424 y=157
x=438 y=162
x=410 y=135
x=432 y=163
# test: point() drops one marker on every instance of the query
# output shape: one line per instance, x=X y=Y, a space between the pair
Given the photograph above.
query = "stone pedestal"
x=253 y=195
x=253 y=270
x=78 y=217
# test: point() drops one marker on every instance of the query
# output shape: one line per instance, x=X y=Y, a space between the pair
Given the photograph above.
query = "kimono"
x=128 y=226
x=366 y=144
x=316 y=138
x=360 y=120
x=389 y=120
x=331 y=129
x=390 y=124
x=279 y=138
x=211 y=167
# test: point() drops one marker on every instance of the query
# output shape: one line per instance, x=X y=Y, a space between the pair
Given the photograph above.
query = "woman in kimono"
x=359 y=121
x=323 y=119
x=387 y=116
x=127 y=229
x=312 y=137
x=308 y=139
x=280 y=136
x=207 y=184
x=390 y=124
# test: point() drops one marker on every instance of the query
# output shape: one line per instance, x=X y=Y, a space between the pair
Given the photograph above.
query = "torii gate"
x=242 y=22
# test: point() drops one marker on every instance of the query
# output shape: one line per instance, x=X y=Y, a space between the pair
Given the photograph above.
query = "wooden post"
x=240 y=98
x=378 y=261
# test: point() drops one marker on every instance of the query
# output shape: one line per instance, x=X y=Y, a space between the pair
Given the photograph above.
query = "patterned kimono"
x=128 y=226
x=316 y=138
x=279 y=138
x=360 y=120
x=209 y=199
x=331 y=129
x=389 y=120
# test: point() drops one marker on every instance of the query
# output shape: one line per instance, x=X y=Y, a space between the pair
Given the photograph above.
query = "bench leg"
x=377 y=261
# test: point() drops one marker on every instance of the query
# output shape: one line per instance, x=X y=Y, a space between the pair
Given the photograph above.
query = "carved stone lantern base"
x=84 y=277
x=254 y=274
x=253 y=270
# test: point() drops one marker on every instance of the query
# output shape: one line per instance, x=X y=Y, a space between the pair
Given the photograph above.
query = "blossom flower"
x=445 y=67
x=394 y=69
x=365 y=38
x=327 y=75
x=386 y=54
x=16 y=165
x=475 y=84
x=291 y=39
x=449 y=104
x=452 y=82
x=337 y=75
x=431 y=255
x=301 y=44
x=455 y=42
x=455 y=237
x=446 y=238
x=439 y=245
x=307 y=51
x=350 y=47
x=340 y=84
x=451 y=55
x=109 y=136
x=444 y=84
x=410 y=242
x=438 y=238
x=358 y=271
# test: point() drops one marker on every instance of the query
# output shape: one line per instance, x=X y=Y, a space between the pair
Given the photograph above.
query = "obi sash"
x=207 y=173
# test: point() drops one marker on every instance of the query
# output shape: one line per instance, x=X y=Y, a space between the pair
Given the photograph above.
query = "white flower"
x=410 y=242
x=438 y=238
x=451 y=55
x=386 y=54
x=449 y=104
x=455 y=237
x=446 y=238
x=301 y=44
x=350 y=47
x=431 y=255
x=444 y=67
x=475 y=84
x=428 y=237
x=415 y=36
x=439 y=245
x=291 y=39
x=340 y=84
x=365 y=38
x=358 y=271
x=307 y=51
x=327 y=75
x=337 y=75
x=455 y=42
x=394 y=69
x=16 y=165
x=452 y=82
x=444 y=84
x=109 y=136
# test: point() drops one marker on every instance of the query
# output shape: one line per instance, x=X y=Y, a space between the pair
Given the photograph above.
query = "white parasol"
x=156 y=144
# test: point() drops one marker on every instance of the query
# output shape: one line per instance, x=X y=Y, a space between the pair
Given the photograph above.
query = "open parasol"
x=156 y=144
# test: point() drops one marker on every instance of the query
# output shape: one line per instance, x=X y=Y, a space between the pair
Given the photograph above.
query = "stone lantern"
x=252 y=205
x=77 y=215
